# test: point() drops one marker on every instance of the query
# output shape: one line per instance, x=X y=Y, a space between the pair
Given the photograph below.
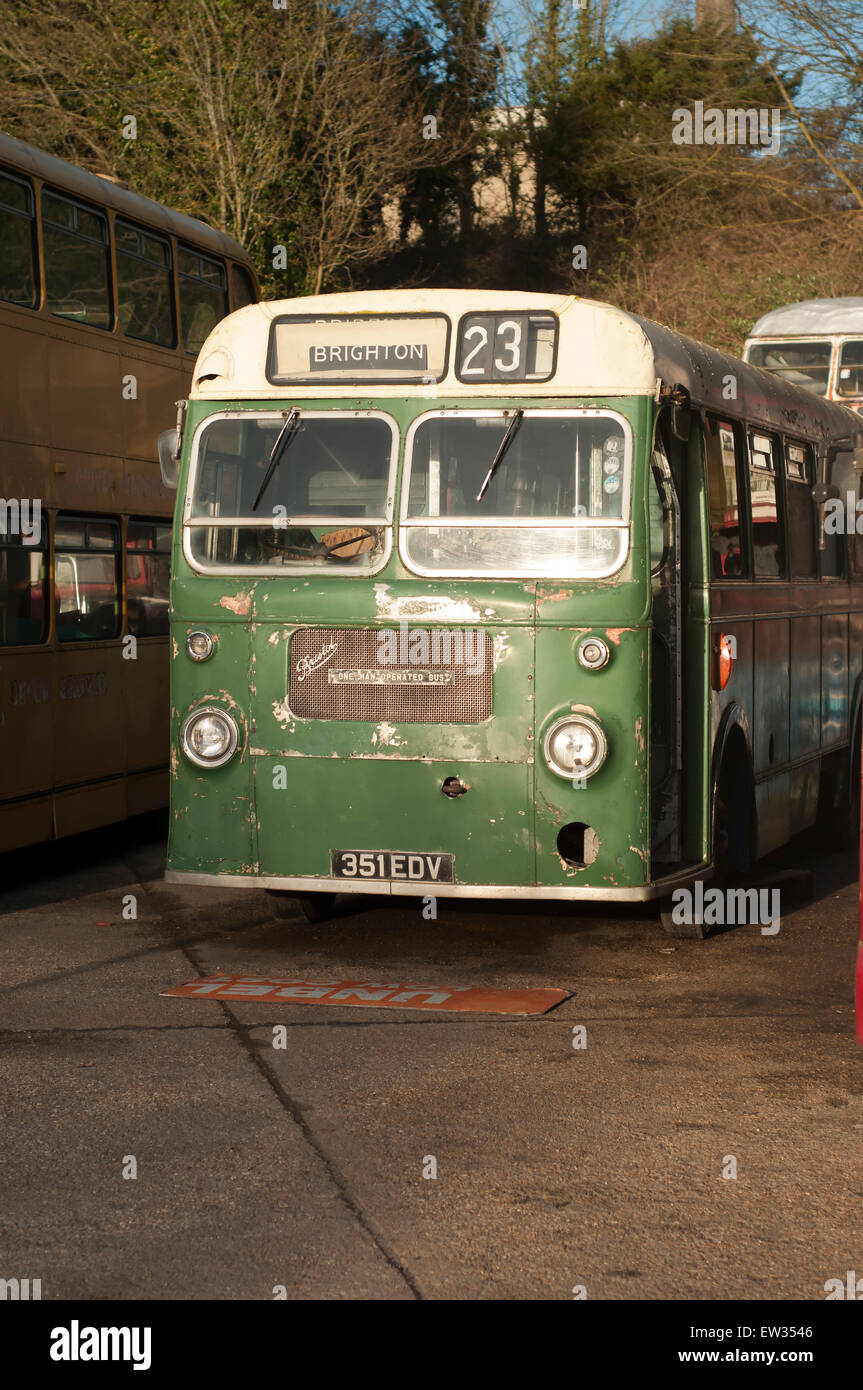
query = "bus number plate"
x=392 y=866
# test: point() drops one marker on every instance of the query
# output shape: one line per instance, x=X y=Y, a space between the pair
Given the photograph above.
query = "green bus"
x=502 y=595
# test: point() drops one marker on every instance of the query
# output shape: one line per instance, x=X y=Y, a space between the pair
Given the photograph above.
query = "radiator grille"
x=339 y=673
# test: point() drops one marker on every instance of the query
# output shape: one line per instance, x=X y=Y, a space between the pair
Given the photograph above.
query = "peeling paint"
x=240 y=603
x=386 y=736
x=614 y=634
x=557 y=597
x=282 y=713
x=431 y=606
x=175 y=648
x=639 y=735
x=500 y=647
x=552 y=814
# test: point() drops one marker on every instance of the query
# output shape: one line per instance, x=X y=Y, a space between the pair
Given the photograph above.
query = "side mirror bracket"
x=680 y=401
x=170 y=447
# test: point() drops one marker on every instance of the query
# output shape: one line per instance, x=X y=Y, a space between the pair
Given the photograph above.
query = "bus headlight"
x=575 y=746
x=199 y=645
x=593 y=653
x=209 y=737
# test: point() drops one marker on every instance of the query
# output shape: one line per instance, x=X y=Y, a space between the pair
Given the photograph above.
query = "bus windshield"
x=327 y=500
x=557 y=504
x=804 y=364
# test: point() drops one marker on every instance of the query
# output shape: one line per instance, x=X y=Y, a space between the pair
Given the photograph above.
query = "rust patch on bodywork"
x=639 y=735
x=553 y=814
x=240 y=603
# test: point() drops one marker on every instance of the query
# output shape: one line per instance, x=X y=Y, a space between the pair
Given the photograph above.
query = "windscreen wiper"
x=511 y=429
x=283 y=442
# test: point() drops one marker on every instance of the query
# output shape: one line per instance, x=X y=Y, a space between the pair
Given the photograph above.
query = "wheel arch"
x=734 y=739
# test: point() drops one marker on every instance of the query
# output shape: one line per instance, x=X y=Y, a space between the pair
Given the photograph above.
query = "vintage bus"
x=502 y=595
x=105 y=299
x=817 y=344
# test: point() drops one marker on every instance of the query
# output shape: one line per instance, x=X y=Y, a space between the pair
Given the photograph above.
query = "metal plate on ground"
x=355 y=991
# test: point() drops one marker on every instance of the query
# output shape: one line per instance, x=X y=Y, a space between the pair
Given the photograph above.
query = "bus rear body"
x=438 y=633
x=817 y=344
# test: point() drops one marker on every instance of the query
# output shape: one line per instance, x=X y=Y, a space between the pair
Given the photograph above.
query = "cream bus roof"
x=812 y=318
x=601 y=349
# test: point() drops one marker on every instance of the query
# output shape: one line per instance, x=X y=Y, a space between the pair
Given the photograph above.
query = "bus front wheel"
x=732 y=827
x=315 y=907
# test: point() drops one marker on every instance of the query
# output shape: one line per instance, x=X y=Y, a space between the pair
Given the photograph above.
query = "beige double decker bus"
x=105 y=299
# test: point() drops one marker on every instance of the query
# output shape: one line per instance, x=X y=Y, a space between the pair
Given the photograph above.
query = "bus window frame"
x=180 y=275
x=168 y=241
x=781 y=340
x=807 y=482
x=839 y=343
x=34 y=218
x=740 y=430
x=44 y=548
x=108 y=246
x=189 y=523
x=777 y=454
x=64 y=644
x=496 y=523
x=236 y=267
x=127 y=551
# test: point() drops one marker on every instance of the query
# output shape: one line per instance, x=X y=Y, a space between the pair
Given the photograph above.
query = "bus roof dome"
x=813 y=317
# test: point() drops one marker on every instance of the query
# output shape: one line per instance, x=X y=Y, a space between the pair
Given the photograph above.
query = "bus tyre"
x=683 y=931
x=315 y=907
x=838 y=824
x=732 y=844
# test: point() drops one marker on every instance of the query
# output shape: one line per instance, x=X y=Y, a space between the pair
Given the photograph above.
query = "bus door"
x=665 y=659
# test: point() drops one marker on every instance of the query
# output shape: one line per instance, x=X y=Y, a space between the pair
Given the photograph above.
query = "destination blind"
x=355 y=348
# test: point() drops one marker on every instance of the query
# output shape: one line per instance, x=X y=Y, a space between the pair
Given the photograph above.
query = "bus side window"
x=144 y=285
x=801 y=513
x=76 y=261
x=23 y=612
x=148 y=572
x=242 y=290
x=728 y=559
x=768 y=549
x=203 y=296
x=86 y=578
x=17 y=266
x=849 y=378
x=837 y=544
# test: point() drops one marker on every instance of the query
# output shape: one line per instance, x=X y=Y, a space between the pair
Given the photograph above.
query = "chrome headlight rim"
x=601 y=660
x=203 y=712
x=587 y=770
x=208 y=638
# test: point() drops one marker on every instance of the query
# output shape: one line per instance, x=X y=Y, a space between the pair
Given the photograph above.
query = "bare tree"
x=288 y=125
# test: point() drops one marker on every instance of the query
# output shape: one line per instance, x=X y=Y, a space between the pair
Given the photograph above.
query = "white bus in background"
x=817 y=344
